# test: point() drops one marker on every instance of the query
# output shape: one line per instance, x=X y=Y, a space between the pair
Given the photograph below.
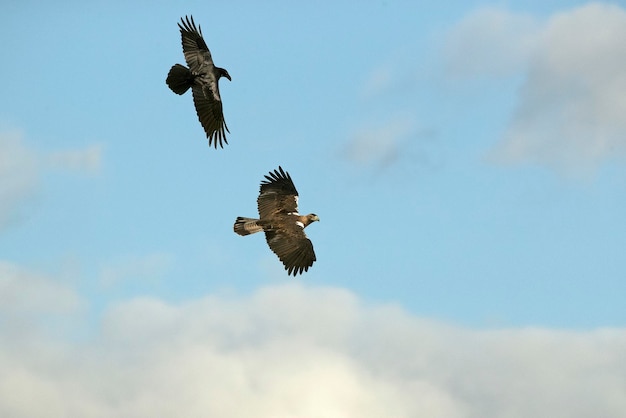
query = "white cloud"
x=23 y=292
x=298 y=351
x=21 y=168
x=32 y=308
x=145 y=267
x=571 y=113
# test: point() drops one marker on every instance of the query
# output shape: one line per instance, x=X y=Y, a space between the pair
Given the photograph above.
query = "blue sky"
x=466 y=160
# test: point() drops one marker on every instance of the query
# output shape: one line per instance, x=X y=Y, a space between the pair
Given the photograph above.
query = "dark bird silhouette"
x=203 y=78
x=281 y=222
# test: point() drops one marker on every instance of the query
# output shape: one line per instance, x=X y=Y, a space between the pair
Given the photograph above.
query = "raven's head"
x=224 y=73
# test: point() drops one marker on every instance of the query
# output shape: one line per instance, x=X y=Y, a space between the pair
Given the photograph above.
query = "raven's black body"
x=202 y=76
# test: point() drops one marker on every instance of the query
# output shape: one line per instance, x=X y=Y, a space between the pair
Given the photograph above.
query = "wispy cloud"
x=490 y=42
x=21 y=167
x=88 y=160
x=380 y=146
x=18 y=175
x=379 y=81
x=293 y=350
x=571 y=113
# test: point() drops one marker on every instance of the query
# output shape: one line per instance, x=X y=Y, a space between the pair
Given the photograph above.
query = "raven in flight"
x=283 y=225
x=203 y=77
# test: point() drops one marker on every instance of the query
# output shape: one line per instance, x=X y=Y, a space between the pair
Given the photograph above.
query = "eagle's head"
x=313 y=217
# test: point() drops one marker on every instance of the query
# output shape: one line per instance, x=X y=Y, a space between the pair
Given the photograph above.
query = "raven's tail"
x=179 y=79
x=247 y=226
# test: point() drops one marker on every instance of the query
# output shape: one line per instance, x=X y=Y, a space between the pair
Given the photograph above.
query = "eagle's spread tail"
x=179 y=79
x=246 y=226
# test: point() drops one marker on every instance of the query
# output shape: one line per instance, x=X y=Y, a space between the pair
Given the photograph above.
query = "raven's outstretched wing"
x=196 y=51
x=209 y=110
x=203 y=78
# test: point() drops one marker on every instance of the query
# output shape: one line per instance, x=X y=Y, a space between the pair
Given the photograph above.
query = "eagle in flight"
x=203 y=77
x=281 y=222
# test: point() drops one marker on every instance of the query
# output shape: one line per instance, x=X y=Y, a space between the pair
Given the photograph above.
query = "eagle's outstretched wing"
x=293 y=248
x=278 y=195
x=278 y=207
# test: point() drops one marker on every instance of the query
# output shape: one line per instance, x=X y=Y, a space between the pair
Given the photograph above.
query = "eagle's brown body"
x=281 y=222
x=247 y=226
